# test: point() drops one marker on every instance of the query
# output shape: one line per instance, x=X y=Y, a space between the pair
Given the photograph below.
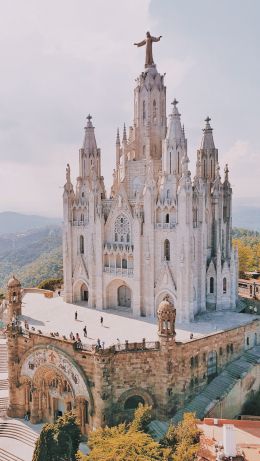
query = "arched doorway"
x=84 y=293
x=124 y=296
x=132 y=402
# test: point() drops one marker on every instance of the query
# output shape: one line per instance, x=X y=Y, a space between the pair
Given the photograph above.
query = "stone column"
x=35 y=408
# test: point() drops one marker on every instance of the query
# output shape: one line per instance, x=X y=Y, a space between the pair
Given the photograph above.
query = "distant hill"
x=33 y=255
x=11 y=222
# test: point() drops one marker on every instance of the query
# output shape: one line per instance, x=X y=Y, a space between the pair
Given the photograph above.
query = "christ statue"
x=148 y=41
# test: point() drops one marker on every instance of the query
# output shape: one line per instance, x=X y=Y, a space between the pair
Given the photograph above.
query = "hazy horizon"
x=62 y=60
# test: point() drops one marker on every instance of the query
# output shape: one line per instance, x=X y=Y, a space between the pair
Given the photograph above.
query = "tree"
x=50 y=284
x=125 y=443
x=246 y=256
x=58 y=441
x=183 y=439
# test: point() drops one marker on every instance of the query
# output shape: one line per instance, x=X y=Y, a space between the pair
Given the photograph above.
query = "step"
x=7 y=456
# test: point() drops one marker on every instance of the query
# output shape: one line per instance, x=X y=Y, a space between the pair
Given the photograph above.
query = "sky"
x=63 y=59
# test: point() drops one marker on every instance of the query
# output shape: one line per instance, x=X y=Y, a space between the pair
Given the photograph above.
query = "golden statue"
x=148 y=41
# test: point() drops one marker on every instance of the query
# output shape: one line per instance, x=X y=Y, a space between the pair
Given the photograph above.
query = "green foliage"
x=50 y=284
x=142 y=418
x=131 y=443
x=248 y=243
x=33 y=256
x=58 y=441
x=183 y=440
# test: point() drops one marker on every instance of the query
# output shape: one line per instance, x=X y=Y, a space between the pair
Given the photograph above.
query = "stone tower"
x=14 y=297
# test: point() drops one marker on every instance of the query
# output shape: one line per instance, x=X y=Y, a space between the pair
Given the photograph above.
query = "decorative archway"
x=129 y=400
x=53 y=384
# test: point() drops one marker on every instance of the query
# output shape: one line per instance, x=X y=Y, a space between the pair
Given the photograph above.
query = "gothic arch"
x=115 y=289
x=80 y=290
x=41 y=358
x=136 y=392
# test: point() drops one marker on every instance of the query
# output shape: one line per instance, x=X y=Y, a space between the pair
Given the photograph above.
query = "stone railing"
x=165 y=225
x=118 y=247
x=119 y=271
x=79 y=223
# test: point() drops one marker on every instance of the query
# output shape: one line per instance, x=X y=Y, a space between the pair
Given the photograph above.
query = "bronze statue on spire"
x=148 y=41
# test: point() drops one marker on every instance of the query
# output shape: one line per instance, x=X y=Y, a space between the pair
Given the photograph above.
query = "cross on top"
x=208 y=119
x=175 y=102
x=89 y=117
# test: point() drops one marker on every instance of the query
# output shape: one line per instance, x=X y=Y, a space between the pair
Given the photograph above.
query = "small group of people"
x=100 y=345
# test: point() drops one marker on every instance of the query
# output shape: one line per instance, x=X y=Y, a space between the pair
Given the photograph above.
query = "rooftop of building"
x=54 y=315
x=246 y=435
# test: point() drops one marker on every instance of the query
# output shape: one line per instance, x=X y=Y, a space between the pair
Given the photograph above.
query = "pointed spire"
x=117 y=137
x=226 y=171
x=207 y=138
x=124 y=134
x=89 y=144
x=175 y=130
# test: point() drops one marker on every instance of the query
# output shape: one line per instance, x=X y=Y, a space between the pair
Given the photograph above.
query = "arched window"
x=124 y=263
x=144 y=115
x=143 y=151
x=81 y=244
x=211 y=168
x=154 y=110
x=204 y=168
x=167 y=218
x=116 y=237
x=224 y=285
x=167 y=254
x=178 y=163
x=211 y=285
x=82 y=217
x=168 y=193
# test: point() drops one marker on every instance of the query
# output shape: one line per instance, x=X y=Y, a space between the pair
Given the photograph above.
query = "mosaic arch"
x=55 y=359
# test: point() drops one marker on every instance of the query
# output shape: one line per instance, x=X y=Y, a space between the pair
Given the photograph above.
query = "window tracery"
x=122 y=229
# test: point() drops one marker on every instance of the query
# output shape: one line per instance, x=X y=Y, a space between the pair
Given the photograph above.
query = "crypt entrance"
x=52 y=384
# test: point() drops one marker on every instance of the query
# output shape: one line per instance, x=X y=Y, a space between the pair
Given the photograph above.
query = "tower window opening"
x=211 y=285
x=167 y=218
x=167 y=254
x=211 y=168
x=124 y=263
x=144 y=115
x=168 y=193
x=116 y=238
x=178 y=163
x=81 y=244
x=204 y=168
x=224 y=285
x=154 y=110
x=170 y=162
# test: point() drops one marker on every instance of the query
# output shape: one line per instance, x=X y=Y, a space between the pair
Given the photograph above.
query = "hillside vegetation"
x=32 y=256
x=248 y=243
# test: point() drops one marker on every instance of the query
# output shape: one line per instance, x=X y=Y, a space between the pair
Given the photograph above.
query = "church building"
x=159 y=231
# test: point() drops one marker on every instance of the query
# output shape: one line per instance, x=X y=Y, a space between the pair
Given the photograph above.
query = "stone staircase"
x=3 y=377
x=6 y=456
x=214 y=391
x=18 y=431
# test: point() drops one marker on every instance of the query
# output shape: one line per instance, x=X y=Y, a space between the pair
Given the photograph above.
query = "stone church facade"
x=160 y=231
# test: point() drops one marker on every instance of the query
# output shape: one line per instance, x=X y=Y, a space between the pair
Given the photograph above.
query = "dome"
x=166 y=309
x=13 y=282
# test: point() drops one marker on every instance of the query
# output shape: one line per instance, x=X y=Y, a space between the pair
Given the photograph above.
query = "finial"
x=207 y=120
x=175 y=102
x=89 y=118
x=68 y=174
x=183 y=130
x=124 y=134
x=226 y=171
x=117 y=137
